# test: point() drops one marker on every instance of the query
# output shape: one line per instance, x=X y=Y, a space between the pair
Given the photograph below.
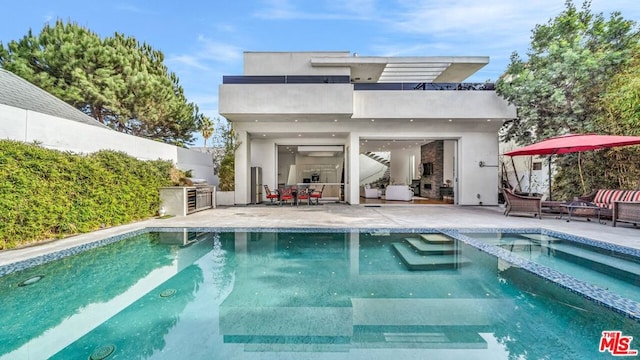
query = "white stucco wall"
x=290 y=63
x=68 y=135
x=430 y=105
x=478 y=184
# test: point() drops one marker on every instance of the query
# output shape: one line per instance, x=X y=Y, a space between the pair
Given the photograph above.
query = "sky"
x=205 y=39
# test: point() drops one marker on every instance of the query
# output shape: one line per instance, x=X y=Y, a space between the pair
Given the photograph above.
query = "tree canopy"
x=578 y=77
x=116 y=80
x=570 y=63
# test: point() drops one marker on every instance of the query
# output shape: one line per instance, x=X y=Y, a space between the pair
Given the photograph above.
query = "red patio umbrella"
x=573 y=143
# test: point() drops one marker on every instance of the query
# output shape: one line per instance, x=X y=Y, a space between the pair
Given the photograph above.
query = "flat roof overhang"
x=406 y=69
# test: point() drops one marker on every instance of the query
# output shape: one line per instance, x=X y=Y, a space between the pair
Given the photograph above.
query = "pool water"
x=295 y=295
x=616 y=272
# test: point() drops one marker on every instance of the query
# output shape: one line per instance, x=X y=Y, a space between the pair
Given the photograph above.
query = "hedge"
x=48 y=194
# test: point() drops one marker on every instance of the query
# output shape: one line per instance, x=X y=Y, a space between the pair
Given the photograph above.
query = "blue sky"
x=204 y=40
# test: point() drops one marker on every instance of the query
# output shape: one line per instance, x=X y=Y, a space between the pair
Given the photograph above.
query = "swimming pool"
x=297 y=294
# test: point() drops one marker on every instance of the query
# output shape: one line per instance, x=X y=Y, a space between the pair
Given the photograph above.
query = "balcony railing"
x=424 y=86
x=287 y=79
x=343 y=79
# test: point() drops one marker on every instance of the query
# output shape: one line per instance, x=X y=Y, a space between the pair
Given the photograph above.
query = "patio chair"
x=303 y=194
x=316 y=195
x=271 y=195
x=526 y=205
x=286 y=194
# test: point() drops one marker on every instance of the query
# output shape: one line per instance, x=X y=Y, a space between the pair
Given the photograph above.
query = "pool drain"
x=167 y=293
x=102 y=352
x=30 y=281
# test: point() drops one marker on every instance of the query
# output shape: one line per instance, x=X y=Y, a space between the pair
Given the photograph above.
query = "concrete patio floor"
x=334 y=215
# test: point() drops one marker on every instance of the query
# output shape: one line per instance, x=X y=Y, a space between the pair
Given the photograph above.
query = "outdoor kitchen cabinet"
x=185 y=200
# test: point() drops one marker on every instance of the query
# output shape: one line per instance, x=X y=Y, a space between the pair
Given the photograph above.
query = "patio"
x=351 y=216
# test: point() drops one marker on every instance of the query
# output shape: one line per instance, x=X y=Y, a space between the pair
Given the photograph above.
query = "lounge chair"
x=525 y=205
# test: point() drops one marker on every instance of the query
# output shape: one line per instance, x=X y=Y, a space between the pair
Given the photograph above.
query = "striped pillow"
x=605 y=198
x=608 y=196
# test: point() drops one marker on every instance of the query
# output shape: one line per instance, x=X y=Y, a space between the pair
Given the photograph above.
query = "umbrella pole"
x=584 y=191
x=550 y=198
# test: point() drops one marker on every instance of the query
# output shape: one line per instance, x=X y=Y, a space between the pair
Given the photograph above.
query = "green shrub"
x=47 y=194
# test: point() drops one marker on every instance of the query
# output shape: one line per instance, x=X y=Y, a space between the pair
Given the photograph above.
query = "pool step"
x=414 y=261
x=427 y=248
x=437 y=238
x=623 y=269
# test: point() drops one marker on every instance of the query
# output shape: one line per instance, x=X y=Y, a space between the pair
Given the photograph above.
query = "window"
x=537 y=165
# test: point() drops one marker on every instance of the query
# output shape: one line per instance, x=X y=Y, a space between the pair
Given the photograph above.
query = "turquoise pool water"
x=295 y=295
x=609 y=270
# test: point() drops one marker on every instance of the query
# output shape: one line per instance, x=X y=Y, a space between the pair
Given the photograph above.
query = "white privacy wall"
x=68 y=135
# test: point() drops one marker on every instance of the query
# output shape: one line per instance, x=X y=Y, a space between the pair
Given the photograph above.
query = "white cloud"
x=187 y=60
x=217 y=51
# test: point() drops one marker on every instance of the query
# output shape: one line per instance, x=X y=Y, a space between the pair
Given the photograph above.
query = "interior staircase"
x=429 y=252
x=381 y=160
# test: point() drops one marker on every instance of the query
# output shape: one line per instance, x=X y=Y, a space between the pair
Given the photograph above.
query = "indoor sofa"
x=398 y=192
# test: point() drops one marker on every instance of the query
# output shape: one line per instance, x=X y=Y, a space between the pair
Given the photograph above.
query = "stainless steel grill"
x=200 y=196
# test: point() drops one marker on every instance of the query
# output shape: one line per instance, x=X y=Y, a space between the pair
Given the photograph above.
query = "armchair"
x=527 y=205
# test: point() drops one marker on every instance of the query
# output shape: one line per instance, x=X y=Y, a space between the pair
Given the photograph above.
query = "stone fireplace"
x=432 y=162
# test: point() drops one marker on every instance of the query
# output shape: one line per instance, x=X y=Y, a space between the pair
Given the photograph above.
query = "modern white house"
x=30 y=114
x=326 y=118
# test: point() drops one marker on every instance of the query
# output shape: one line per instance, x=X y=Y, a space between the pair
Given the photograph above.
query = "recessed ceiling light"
x=299 y=134
x=335 y=120
x=373 y=119
x=450 y=120
x=410 y=120
x=333 y=134
x=488 y=119
x=256 y=120
x=296 y=120
x=366 y=140
x=264 y=134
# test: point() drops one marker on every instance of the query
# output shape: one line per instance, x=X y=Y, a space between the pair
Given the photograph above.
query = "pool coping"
x=603 y=297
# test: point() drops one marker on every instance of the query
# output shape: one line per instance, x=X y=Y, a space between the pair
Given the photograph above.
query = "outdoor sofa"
x=620 y=205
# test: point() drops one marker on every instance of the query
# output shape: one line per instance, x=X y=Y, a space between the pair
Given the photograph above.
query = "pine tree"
x=116 y=80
